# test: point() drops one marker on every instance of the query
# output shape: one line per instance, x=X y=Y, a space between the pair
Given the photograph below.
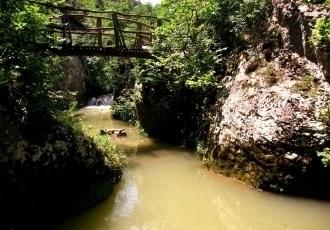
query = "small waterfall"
x=103 y=100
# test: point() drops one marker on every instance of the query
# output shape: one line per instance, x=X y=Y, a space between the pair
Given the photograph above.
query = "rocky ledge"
x=48 y=171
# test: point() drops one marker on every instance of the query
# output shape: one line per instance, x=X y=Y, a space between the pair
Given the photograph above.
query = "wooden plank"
x=89 y=16
x=84 y=32
x=108 y=28
x=64 y=31
x=112 y=28
x=95 y=33
x=101 y=51
x=136 y=22
x=69 y=27
x=102 y=28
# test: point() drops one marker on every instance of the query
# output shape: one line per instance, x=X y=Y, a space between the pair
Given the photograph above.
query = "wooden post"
x=119 y=37
x=99 y=33
x=115 y=27
x=66 y=28
x=64 y=23
x=69 y=28
x=138 y=37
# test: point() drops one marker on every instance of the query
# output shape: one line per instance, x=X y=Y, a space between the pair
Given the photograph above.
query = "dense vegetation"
x=194 y=51
x=173 y=95
x=43 y=150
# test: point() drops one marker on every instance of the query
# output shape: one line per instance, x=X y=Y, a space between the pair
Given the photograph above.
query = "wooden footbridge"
x=99 y=33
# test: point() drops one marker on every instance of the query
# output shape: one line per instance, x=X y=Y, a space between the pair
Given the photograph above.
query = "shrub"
x=324 y=117
x=321 y=32
x=113 y=156
x=325 y=155
x=124 y=109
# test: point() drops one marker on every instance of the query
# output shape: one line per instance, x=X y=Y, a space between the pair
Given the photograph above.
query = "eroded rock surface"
x=267 y=129
x=296 y=21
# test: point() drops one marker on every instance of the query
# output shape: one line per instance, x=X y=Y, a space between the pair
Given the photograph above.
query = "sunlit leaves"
x=25 y=76
x=321 y=32
x=185 y=45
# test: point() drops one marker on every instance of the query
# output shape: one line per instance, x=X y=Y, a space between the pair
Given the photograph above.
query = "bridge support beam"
x=119 y=37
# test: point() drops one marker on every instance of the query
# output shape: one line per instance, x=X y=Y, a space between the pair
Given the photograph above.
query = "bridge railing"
x=102 y=29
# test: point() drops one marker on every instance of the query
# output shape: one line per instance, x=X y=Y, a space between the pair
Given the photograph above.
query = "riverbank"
x=49 y=170
x=167 y=187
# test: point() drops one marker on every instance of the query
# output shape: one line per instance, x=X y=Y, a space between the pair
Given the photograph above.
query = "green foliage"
x=108 y=75
x=124 y=109
x=321 y=32
x=238 y=23
x=113 y=156
x=140 y=129
x=193 y=47
x=202 y=151
x=325 y=155
x=186 y=48
x=70 y=118
x=324 y=117
x=26 y=77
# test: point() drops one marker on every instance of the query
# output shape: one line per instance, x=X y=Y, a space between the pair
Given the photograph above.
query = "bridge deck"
x=97 y=51
x=99 y=33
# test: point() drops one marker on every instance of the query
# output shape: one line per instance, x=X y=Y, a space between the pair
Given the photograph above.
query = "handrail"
x=105 y=28
x=108 y=32
x=137 y=22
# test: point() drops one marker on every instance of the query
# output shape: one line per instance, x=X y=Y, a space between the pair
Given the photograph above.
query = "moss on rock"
x=48 y=171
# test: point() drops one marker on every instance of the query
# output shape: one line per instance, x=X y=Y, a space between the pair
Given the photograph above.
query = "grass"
x=308 y=85
x=112 y=155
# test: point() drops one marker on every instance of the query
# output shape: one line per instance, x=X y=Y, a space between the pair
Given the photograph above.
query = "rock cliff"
x=266 y=128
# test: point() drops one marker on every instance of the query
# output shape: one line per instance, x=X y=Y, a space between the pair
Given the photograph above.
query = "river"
x=166 y=187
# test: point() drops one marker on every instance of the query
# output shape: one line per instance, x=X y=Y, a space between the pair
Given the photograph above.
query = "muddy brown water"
x=166 y=187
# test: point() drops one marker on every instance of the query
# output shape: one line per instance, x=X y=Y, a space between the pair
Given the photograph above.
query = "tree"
x=26 y=77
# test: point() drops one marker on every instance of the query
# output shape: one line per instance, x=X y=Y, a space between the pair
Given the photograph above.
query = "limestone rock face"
x=266 y=128
x=75 y=77
x=267 y=135
x=296 y=22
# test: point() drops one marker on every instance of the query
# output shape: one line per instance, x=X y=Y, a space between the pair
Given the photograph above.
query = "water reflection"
x=166 y=187
x=126 y=200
